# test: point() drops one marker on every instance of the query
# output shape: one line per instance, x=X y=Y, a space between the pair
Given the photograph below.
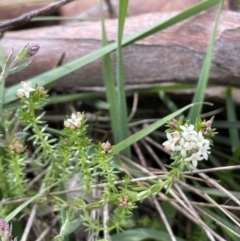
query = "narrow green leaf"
x=122 y=121
x=59 y=238
x=203 y=79
x=73 y=97
x=167 y=101
x=142 y=234
x=71 y=226
x=232 y=117
x=109 y=82
x=19 y=67
x=63 y=215
x=139 y=135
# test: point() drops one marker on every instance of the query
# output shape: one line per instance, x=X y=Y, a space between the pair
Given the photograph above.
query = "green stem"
x=3 y=76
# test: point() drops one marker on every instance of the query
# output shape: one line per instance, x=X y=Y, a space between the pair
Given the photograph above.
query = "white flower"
x=203 y=149
x=184 y=146
x=194 y=158
x=188 y=132
x=75 y=121
x=188 y=129
x=172 y=139
x=199 y=139
x=25 y=90
x=188 y=144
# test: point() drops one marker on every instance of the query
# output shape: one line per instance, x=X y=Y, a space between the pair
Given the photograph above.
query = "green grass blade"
x=139 y=135
x=142 y=234
x=123 y=131
x=203 y=79
x=109 y=82
x=167 y=101
x=56 y=73
x=73 y=97
x=231 y=117
x=204 y=5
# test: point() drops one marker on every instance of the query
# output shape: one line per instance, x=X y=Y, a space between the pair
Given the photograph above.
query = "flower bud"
x=32 y=50
x=16 y=146
x=209 y=123
x=27 y=51
x=5 y=231
x=41 y=90
x=106 y=146
x=124 y=202
x=173 y=124
x=66 y=123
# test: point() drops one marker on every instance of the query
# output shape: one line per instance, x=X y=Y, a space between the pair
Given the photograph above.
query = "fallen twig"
x=25 y=18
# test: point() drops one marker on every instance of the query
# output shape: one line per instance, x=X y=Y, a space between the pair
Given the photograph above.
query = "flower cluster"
x=106 y=146
x=74 y=122
x=124 y=202
x=188 y=143
x=27 y=91
x=5 y=231
x=16 y=146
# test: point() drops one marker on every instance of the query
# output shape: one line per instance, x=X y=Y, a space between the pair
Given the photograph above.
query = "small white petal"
x=183 y=147
x=169 y=136
x=194 y=163
x=194 y=158
x=75 y=119
x=25 y=90
x=172 y=139
x=183 y=153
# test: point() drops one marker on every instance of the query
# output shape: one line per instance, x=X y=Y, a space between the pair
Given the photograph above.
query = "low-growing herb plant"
x=74 y=153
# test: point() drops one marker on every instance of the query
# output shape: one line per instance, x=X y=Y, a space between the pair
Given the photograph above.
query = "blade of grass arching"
x=109 y=82
x=203 y=79
x=142 y=234
x=72 y=97
x=54 y=74
x=122 y=121
x=204 y=5
x=167 y=101
x=60 y=99
x=231 y=117
x=139 y=135
x=160 y=87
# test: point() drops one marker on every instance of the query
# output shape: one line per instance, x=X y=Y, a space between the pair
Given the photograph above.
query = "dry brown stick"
x=25 y=18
